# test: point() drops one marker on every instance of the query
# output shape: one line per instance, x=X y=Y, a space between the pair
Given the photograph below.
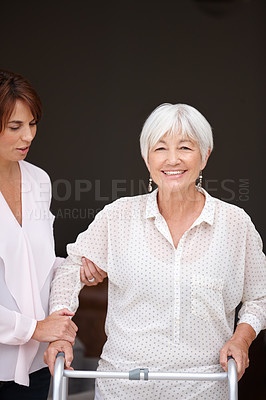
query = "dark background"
x=100 y=68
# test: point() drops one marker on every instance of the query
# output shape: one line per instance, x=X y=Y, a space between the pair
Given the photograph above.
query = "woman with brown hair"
x=27 y=258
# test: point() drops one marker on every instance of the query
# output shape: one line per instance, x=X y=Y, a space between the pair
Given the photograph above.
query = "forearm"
x=66 y=286
x=244 y=333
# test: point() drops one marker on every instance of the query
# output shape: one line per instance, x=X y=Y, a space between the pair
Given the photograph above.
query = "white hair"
x=176 y=119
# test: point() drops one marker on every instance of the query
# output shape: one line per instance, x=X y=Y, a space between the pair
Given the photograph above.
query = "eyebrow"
x=186 y=140
x=181 y=141
x=19 y=122
x=15 y=122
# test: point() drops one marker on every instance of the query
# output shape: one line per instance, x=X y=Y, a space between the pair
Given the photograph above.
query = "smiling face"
x=175 y=162
x=16 y=137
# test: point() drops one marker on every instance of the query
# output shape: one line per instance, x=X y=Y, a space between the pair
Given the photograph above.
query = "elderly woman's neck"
x=180 y=203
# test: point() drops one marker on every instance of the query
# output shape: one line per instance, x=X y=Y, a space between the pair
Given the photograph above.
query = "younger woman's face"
x=17 y=135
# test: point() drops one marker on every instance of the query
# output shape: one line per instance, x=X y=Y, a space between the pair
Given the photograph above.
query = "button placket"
x=177 y=290
x=162 y=227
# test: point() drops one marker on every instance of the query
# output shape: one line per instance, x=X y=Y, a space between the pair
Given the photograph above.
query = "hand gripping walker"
x=61 y=375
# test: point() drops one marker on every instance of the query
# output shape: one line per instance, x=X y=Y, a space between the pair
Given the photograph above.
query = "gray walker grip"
x=60 y=354
x=135 y=374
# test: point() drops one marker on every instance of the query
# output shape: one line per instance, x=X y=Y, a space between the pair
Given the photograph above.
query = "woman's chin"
x=177 y=188
x=173 y=186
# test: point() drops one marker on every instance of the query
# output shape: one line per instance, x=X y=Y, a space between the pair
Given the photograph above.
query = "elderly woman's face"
x=175 y=162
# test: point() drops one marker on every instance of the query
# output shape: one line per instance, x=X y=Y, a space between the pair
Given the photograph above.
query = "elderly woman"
x=179 y=262
x=27 y=257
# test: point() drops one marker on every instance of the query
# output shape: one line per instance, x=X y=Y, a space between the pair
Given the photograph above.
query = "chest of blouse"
x=28 y=250
x=143 y=262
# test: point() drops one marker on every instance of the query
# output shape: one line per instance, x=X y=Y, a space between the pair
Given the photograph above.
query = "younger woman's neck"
x=8 y=169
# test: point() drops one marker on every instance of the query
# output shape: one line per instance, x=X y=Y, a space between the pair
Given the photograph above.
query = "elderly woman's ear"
x=146 y=163
x=206 y=159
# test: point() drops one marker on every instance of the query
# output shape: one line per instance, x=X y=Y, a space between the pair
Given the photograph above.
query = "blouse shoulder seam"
x=35 y=171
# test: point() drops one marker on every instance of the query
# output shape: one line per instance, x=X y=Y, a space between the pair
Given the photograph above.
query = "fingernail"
x=68 y=363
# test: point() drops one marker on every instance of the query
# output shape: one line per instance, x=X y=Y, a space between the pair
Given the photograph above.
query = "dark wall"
x=101 y=68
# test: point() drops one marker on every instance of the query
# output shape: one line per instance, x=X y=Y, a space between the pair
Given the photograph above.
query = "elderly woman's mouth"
x=173 y=172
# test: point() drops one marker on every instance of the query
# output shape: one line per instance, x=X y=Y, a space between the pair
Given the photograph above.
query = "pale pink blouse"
x=27 y=262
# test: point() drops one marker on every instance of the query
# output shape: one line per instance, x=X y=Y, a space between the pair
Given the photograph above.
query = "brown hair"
x=14 y=87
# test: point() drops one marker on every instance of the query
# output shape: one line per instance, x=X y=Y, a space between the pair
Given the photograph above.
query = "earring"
x=150 y=185
x=200 y=178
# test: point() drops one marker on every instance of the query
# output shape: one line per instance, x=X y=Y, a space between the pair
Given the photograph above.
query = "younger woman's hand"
x=58 y=326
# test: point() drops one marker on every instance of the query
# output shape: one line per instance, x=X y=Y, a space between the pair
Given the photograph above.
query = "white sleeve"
x=58 y=261
x=66 y=286
x=93 y=244
x=15 y=328
x=253 y=310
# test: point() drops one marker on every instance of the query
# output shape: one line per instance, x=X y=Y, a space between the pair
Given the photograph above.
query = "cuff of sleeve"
x=252 y=320
x=57 y=307
x=24 y=328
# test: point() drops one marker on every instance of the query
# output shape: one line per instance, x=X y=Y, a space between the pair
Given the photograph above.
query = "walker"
x=61 y=376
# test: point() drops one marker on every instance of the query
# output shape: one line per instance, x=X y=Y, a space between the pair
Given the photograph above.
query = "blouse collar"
x=207 y=214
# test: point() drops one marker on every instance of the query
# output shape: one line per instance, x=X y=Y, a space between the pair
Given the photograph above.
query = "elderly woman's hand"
x=90 y=274
x=53 y=349
x=238 y=347
x=239 y=351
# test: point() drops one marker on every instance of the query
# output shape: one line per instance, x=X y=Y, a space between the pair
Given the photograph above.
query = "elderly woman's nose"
x=173 y=157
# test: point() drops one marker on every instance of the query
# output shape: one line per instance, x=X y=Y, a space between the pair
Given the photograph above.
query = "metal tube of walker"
x=232 y=379
x=151 y=375
x=61 y=376
x=58 y=377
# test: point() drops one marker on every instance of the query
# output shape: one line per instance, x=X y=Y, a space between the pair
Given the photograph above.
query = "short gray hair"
x=176 y=119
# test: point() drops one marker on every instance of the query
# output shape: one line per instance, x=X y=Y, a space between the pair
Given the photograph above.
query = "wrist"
x=35 y=334
x=244 y=333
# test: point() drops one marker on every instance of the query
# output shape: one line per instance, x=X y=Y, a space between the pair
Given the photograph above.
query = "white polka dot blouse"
x=169 y=309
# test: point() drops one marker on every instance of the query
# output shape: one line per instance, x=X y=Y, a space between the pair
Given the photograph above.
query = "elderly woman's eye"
x=185 y=148
x=160 y=148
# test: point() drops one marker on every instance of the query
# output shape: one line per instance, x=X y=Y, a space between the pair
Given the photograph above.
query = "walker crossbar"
x=61 y=377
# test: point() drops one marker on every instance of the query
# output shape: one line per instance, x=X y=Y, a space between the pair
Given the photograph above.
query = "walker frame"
x=61 y=376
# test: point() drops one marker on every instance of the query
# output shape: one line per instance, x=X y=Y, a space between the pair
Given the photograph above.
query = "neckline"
x=21 y=197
